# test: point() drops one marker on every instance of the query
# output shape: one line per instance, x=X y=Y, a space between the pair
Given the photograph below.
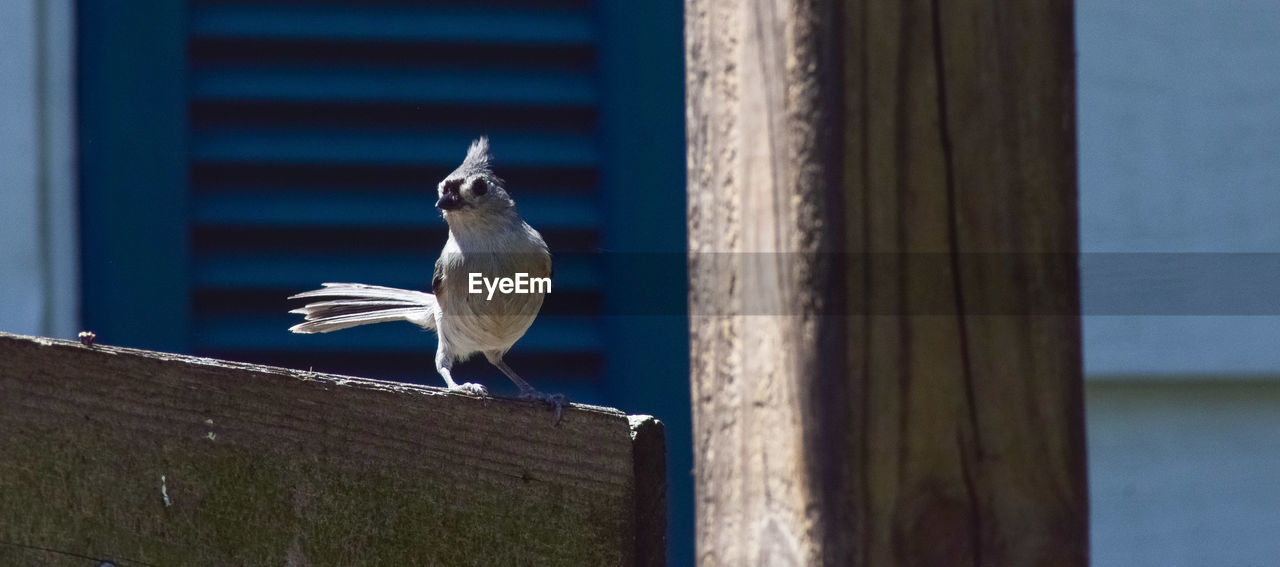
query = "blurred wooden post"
x=884 y=294
x=146 y=458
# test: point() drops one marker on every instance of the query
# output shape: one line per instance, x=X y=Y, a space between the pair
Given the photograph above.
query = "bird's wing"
x=437 y=281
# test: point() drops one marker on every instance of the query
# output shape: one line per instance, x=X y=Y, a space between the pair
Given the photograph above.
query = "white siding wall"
x=22 y=300
x=38 y=265
x=1185 y=473
x=1179 y=105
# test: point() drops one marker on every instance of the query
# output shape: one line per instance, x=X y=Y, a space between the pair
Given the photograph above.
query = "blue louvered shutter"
x=318 y=131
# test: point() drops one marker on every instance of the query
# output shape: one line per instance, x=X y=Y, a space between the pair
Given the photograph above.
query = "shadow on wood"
x=146 y=458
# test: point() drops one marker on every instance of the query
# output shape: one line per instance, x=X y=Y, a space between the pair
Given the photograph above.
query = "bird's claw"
x=556 y=401
x=471 y=389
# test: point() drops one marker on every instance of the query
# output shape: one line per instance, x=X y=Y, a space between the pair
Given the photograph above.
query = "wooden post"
x=884 y=294
x=145 y=458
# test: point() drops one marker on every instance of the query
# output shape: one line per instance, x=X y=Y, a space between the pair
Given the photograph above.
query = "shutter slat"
x=270 y=332
x=426 y=22
x=301 y=271
x=319 y=83
x=231 y=144
x=295 y=208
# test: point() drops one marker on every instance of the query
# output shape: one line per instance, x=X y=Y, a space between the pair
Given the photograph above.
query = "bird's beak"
x=450 y=202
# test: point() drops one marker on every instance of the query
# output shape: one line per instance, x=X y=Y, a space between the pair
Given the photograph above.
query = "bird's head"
x=473 y=190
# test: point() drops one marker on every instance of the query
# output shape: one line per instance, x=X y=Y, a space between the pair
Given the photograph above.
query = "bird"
x=488 y=241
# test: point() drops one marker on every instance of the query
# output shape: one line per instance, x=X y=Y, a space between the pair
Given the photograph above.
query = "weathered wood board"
x=145 y=458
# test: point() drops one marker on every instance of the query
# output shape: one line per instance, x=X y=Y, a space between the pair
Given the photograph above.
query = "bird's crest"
x=477 y=156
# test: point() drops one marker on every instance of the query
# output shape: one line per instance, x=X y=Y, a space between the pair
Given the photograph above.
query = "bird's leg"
x=527 y=392
x=444 y=361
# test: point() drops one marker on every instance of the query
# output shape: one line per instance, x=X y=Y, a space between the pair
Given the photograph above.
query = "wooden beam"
x=759 y=133
x=150 y=458
x=885 y=299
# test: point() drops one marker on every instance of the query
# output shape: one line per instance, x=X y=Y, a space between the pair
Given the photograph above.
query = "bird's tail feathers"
x=361 y=304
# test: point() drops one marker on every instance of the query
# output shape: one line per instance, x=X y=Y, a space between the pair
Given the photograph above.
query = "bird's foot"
x=470 y=388
x=556 y=401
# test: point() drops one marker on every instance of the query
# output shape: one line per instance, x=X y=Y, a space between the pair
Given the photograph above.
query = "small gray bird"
x=487 y=240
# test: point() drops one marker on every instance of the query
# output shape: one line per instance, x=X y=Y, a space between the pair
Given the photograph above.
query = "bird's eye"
x=479 y=187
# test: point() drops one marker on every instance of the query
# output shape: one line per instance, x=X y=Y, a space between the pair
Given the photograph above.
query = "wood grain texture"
x=960 y=145
x=923 y=405
x=758 y=140
x=151 y=458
